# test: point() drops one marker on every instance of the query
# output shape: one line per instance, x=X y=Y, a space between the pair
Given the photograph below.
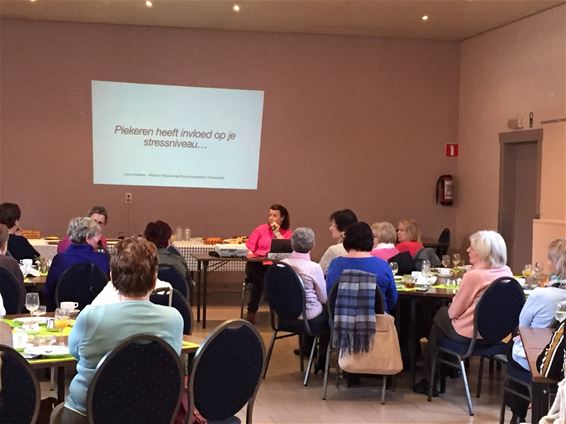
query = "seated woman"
x=159 y=233
x=538 y=312
x=259 y=244
x=100 y=215
x=84 y=234
x=408 y=237
x=310 y=272
x=18 y=246
x=384 y=237
x=8 y=262
x=358 y=242
x=339 y=221
x=488 y=256
x=100 y=328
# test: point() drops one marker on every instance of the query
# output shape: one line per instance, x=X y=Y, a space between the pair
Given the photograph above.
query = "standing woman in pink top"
x=488 y=256
x=408 y=237
x=259 y=244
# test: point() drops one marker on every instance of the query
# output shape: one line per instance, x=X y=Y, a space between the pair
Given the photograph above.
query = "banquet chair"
x=178 y=302
x=287 y=304
x=226 y=372
x=443 y=243
x=139 y=381
x=20 y=397
x=330 y=305
x=495 y=317
x=13 y=292
x=175 y=278
x=80 y=283
x=404 y=261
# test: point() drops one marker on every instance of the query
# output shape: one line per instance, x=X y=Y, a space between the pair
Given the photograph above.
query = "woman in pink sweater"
x=488 y=255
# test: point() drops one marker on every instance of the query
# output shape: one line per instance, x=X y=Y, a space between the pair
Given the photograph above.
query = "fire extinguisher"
x=445 y=190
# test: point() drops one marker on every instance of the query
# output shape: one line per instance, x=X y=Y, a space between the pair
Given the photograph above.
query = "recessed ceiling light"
x=148 y=3
x=236 y=8
x=425 y=18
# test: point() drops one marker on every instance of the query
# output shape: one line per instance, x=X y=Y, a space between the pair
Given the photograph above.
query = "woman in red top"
x=259 y=244
x=408 y=237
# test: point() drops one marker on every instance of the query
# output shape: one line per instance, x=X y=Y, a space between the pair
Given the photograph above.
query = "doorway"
x=519 y=193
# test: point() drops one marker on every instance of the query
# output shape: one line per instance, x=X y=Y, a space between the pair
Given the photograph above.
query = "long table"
x=534 y=341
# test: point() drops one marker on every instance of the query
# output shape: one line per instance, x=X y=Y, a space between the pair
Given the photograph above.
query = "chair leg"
x=301 y=361
x=480 y=374
x=243 y=299
x=433 y=369
x=466 y=387
x=326 y=369
x=268 y=358
x=383 y=387
x=502 y=412
x=309 y=365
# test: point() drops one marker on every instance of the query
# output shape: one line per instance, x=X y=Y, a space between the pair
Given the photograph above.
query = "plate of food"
x=49 y=351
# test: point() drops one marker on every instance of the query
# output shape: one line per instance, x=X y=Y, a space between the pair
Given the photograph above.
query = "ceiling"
x=448 y=19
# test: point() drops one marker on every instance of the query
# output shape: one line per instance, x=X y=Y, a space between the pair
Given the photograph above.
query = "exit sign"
x=452 y=150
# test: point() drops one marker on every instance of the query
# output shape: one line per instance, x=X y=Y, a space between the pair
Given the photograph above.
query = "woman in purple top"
x=259 y=244
x=85 y=235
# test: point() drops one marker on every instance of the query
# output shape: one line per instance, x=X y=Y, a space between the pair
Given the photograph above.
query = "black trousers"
x=255 y=272
x=518 y=405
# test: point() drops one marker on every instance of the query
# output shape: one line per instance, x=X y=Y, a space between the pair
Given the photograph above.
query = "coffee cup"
x=69 y=306
x=19 y=340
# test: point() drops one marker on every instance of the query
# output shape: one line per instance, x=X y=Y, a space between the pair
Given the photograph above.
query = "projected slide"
x=159 y=135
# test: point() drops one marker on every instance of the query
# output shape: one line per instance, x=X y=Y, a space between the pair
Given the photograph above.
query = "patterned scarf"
x=354 y=312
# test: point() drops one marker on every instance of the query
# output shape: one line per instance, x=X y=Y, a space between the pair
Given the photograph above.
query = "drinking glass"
x=42 y=310
x=527 y=271
x=61 y=319
x=560 y=312
x=394 y=267
x=456 y=258
x=445 y=261
x=425 y=269
x=32 y=302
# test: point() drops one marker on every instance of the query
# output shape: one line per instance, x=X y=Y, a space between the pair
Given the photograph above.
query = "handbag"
x=385 y=356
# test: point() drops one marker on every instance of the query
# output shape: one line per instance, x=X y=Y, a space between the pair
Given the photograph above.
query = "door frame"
x=515 y=137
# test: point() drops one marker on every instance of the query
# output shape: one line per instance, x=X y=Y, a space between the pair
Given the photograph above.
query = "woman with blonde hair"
x=408 y=236
x=488 y=256
x=384 y=237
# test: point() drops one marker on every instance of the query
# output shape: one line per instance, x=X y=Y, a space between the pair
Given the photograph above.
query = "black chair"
x=443 y=243
x=286 y=297
x=330 y=305
x=495 y=317
x=20 y=396
x=405 y=262
x=161 y=297
x=520 y=376
x=13 y=292
x=175 y=278
x=80 y=283
x=226 y=372
x=139 y=381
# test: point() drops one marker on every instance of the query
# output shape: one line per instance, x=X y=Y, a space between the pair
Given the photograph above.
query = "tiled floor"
x=283 y=399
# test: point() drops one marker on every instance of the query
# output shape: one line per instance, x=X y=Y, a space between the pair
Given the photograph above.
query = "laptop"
x=280 y=249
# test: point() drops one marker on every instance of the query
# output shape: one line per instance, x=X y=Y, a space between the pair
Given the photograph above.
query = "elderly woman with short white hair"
x=488 y=256
x=84 y=234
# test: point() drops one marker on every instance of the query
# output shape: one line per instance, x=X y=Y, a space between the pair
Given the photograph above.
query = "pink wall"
x=348 y=122
x=507 y=73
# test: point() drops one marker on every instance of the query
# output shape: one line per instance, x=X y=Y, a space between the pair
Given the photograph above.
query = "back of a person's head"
x=302 y=240
x=133 y=266
x=159 y=233
x=490 y=248
x=81 y=229
x=343 y=219
x=9 y=214
x=358 y=237
x=384 y=232
x=557 y=256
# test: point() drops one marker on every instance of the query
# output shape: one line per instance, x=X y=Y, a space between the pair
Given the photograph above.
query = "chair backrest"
x=379 y=302
x=285 y=292
x=12 y=291
x=178 y=302
x=80 y=283
x=20 y=396
x=175 y=278
x=227 y=371
x=498 y=309
x=405 y=261
x=139 y=381
x=444 y=241
x=426 y=253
